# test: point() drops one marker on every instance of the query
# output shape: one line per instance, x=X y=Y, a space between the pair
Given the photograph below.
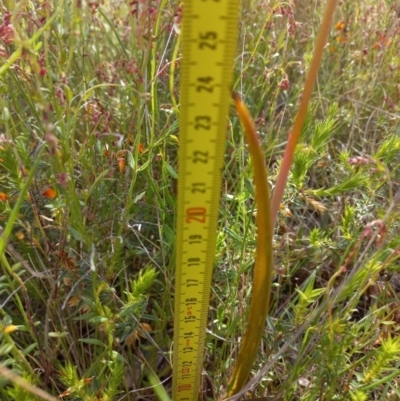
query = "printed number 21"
x=200 y=157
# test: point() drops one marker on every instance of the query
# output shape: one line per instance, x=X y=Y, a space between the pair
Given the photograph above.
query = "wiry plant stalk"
x=294 y=135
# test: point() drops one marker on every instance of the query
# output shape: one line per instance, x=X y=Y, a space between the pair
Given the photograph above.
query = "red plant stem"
x=294 y=135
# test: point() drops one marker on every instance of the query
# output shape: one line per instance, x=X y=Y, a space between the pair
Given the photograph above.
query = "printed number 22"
x=208 y=40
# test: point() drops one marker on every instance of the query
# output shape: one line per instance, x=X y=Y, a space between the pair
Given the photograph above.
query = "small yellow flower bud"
x=10 y=329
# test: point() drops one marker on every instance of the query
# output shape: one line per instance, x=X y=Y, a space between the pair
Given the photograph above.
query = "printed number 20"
x=196 y=214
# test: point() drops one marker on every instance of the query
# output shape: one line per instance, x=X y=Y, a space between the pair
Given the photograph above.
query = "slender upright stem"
x=294 y=135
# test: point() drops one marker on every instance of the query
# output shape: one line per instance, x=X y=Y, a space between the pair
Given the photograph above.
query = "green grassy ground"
x=88 y=146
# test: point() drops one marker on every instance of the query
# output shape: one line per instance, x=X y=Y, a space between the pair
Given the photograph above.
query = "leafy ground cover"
x=89 y=136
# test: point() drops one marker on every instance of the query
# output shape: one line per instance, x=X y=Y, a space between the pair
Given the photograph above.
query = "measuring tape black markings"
x=209 y=29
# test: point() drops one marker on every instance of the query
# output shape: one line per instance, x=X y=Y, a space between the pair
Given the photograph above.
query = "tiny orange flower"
x=121 y=164
x=340 y=26
x=20 y=235
x=141 y=148
x=3 y=196
x=50 y=193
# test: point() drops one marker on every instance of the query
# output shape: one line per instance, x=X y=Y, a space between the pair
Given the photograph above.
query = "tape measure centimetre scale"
x=209 y=34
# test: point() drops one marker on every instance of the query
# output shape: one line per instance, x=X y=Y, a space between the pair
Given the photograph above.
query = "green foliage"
x=90 y=108
x=354 y=182
x=389 y=149
x=16 y=392
x=358 y=396
x=306 y=298
x=324 y=130
x=143 y=283
x=386 y=354
x=347 y=223
x=304 y=159
x=318 y=134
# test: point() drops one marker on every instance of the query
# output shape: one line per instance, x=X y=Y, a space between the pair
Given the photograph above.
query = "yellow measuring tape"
x=209 y=29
